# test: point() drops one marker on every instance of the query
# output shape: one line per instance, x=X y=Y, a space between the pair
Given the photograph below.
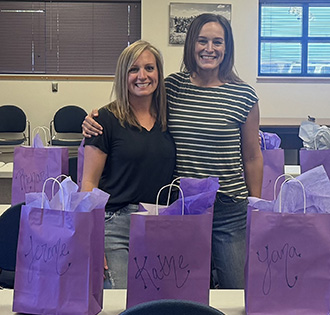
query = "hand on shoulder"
x=89 y=126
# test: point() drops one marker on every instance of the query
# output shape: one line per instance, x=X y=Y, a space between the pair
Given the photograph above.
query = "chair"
x=73 y=164
x=65 y=128
x=14 y=126
x=172 y=307
x=9 y=228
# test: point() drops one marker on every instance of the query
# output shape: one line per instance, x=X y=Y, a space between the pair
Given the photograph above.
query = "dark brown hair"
x=226 y=68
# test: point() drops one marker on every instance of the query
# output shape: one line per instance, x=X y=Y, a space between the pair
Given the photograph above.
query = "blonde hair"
x=121 y=107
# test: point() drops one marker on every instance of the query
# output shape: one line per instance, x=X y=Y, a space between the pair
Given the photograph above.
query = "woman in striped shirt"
x=214 y=120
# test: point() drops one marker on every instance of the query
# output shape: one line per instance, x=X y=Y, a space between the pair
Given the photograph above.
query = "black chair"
x=171 y=307
x=65 y=128
x=14 y=126
x=73 y=164
x=9 y=228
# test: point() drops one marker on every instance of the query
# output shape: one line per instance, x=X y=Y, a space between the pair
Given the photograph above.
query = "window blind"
x=66 y=37
x=294 y=38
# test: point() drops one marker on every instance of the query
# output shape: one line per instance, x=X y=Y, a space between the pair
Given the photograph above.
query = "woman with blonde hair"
x=135 y=155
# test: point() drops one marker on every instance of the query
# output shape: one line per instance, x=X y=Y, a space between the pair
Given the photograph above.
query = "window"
x=294 y=38
x=66 y=37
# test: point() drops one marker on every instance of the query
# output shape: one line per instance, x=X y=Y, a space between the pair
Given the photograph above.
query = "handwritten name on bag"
x=46 y=253
x=156 y=270
x=29 y=181
x=284 y=256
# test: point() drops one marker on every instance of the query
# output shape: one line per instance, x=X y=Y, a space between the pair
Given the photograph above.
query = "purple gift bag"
x=288 y=258
x=312 y=158
x=273 y=168
x=288 y=264
x=170 y=255
x=60 y=257
x=32 y=166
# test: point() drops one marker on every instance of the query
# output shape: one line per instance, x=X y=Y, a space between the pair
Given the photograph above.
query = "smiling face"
x=210 y=47
x=143 y=76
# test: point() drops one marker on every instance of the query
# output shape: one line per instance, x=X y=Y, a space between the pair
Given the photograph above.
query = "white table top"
x=6 y=170
x=230 y=302
x=2 y=209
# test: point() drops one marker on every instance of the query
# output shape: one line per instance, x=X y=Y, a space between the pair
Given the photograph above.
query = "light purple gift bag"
x=273 y=162
x=312 y=158
x=33 y=165
x=170 y=254
x=60 y=254
x=288 y=257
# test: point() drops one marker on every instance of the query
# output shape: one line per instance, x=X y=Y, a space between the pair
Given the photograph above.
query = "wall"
x=40 y=103
x=277 y=100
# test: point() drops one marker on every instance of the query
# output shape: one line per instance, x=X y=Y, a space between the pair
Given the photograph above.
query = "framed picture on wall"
x=181 y=14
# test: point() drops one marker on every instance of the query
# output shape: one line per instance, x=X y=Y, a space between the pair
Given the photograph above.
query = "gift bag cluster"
x=60 y=253
x=316 y=142
x=170 y=246
x=288 y=248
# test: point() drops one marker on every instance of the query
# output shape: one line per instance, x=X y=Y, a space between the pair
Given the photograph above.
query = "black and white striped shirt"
x=205 y=124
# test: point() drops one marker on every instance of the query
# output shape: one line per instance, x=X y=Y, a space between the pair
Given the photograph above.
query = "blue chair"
x=171 y=307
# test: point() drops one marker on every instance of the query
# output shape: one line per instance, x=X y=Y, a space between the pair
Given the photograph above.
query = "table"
x=6 y=170
x=6 y=174
x=3 y=207
x=230 y=302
